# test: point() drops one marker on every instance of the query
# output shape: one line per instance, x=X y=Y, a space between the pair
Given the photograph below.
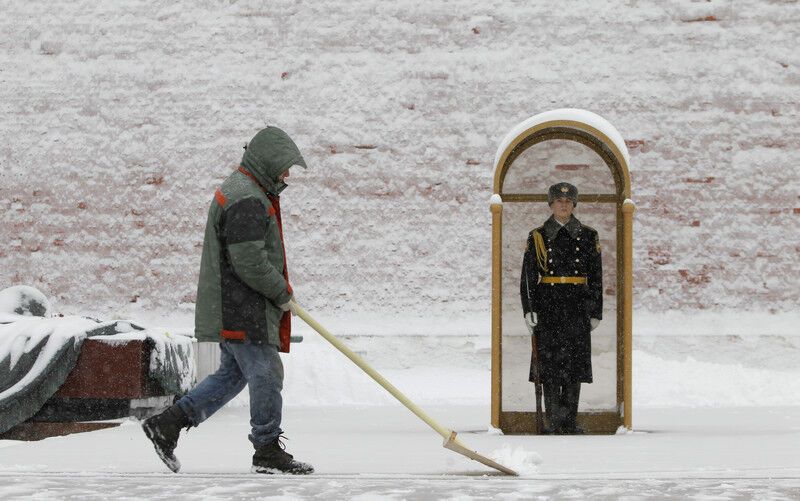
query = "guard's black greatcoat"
x=563 y=310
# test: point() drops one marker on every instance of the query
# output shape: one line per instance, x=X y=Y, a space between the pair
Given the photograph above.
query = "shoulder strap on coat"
x=541 y=250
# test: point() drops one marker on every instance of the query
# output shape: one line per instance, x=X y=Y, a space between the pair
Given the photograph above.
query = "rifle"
x=537 y=382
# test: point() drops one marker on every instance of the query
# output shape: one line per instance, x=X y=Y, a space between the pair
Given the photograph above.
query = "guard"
x=561 y=288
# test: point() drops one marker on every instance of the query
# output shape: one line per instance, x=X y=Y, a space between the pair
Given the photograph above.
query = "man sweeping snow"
x=243 y=299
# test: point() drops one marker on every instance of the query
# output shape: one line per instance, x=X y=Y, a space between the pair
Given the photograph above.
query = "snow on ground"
x=384 y=452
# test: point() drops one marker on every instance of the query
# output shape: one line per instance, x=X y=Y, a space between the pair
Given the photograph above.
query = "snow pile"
x=25 y=325
x=625 y=431
x=715 y=323
x=491 y=430
x=692 y=383
x=22 y=301
x=171 y=360
x=172 y=354
x=19 y=338
x=519 y=459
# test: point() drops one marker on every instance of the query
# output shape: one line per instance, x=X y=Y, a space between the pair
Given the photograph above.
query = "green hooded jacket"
x=242 y=269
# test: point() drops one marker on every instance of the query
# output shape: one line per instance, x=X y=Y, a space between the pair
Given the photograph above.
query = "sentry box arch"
x=584 y=149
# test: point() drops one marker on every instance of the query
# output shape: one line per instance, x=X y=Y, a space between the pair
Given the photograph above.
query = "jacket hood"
x=269 y=154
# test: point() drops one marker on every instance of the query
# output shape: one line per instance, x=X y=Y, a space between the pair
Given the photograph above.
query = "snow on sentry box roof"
x=573 y=114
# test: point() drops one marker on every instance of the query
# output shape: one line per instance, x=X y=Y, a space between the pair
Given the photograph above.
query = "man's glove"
x=287 y=306
x=531 y=321
x=594 y=322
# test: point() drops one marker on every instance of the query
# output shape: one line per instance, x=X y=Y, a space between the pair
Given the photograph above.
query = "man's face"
x=284 y=175
x=562 y=208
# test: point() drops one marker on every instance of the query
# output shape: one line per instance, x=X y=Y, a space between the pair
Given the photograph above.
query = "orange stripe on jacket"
x=220 y=198
x=235 y=335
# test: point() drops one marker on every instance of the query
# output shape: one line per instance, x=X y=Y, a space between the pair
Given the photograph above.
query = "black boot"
x=551 y=410
x=272 y=458
x=570 y=397
x=163 y=430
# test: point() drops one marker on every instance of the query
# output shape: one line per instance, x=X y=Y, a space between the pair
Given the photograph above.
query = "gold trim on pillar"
x=627 y=309
x=602 y=198
x=497 y=310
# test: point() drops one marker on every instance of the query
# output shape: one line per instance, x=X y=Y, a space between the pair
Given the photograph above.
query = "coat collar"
x=551 y=227
x=277 y=189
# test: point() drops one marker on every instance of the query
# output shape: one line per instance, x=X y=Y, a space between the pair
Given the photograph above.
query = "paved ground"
x=384 y=452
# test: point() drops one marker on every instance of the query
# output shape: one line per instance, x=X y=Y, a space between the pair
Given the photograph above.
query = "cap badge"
x=564 y=189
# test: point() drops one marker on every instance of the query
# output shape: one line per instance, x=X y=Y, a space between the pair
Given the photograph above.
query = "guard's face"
x=283 y=175
x=562 y=208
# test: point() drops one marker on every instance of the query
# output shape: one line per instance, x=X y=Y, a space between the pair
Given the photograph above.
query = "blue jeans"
x=260 y=368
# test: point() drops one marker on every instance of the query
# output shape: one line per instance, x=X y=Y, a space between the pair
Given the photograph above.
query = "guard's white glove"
x=531 y=321
x=594 y=322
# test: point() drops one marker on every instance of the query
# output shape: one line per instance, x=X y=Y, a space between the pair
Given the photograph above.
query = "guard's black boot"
x=570 y=397
x=163 y=430
x=551 y=411
x=272 y=458
x=572 y=428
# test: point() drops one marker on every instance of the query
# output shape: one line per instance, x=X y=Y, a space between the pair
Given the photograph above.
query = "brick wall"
x=119 y=119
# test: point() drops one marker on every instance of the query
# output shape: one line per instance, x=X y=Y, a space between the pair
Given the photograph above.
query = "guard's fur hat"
x=562 y=190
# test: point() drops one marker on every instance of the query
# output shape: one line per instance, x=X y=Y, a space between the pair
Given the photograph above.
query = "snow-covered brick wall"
x=119 y=119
